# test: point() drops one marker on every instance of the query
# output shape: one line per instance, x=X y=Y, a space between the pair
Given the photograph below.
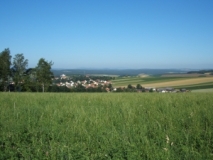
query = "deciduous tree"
x=30 y=82
x=139 y=86
x=19 y=68
x=44 y=74
x=5 y=63
x=129 y=86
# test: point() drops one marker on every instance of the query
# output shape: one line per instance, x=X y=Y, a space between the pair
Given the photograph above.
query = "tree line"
x=16 y=76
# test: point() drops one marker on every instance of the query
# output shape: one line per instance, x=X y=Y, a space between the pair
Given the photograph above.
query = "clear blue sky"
x=110 y=33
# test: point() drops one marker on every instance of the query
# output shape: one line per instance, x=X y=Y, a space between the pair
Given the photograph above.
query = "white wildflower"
x=167 y=139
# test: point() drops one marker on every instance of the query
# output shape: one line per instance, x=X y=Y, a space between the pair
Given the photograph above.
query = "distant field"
x=126 y=80
x=186 y=75
x=203 y=90
x=106 y=126
x=197 y=86
x=123 y=82
x=143 y=75
x=178 y=82
x=107 y=75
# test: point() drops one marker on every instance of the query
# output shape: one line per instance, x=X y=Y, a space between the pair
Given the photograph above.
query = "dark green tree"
x=5 y=72
x=120 y=89
x=80 y=88
x=30 y=82
x=110 y=87
x=151 y=90
x=138 y=86
x=43 y=74
x=129 y=86
x=19 y=68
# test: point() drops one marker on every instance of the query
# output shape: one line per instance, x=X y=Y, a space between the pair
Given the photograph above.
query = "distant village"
x=64 y=80
x=105 y=84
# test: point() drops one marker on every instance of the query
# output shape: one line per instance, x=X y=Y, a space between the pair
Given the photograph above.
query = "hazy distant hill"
x=201 y=72
x=130 y=72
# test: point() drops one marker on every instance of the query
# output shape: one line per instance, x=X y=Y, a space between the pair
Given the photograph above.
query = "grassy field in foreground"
x=106 y=126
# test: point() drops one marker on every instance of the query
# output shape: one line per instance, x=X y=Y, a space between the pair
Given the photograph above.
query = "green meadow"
x=106 y=126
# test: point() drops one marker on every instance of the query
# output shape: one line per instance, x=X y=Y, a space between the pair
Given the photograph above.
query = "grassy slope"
x=106 y=126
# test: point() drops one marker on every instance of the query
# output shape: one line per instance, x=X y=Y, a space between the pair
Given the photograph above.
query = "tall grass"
x=106 y=126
